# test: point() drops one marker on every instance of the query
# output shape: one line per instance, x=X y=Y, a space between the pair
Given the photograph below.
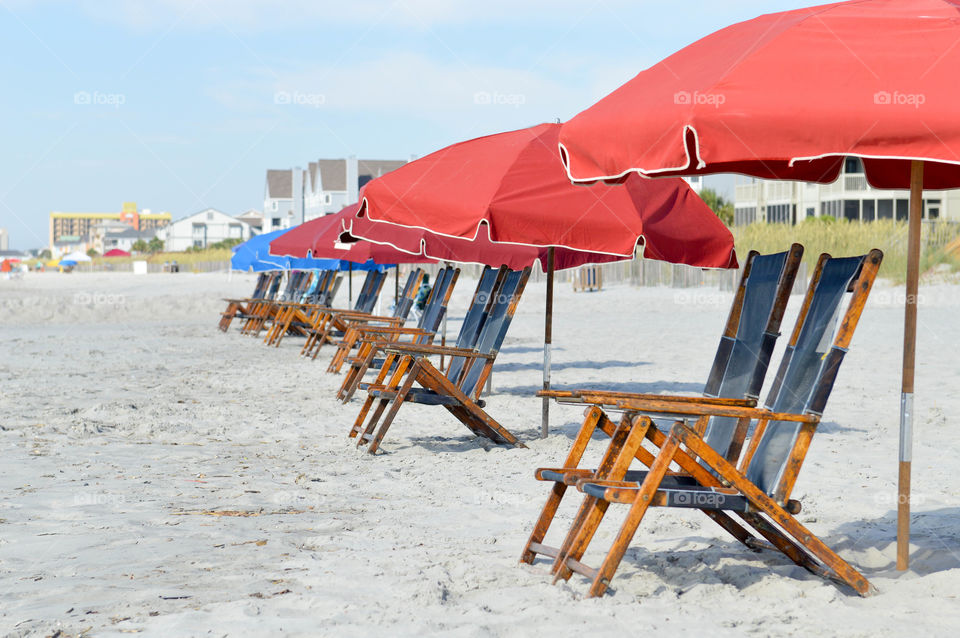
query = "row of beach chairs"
x=722 y=453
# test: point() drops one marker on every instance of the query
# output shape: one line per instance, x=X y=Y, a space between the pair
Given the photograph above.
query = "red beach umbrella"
x=513 y=184
x=509 y=189
x=787 y=96
x=320 y=238
x=116 y=252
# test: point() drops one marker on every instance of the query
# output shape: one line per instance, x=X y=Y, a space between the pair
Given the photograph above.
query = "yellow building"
x=77 y=228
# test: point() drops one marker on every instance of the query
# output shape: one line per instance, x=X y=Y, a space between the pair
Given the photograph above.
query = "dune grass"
x=841 y=238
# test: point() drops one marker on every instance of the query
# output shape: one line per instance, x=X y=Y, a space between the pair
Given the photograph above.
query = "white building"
x=253 y=217
x=850 y=197
x=293 y=196
x=695 y=182
x=4 y=239
x=203 y=229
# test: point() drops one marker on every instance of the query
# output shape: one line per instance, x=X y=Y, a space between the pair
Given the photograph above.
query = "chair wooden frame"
x=458 y=390
x=716 y=483
x=360 y=336
x=734 y=329
x=334 y=323
x=366 y=357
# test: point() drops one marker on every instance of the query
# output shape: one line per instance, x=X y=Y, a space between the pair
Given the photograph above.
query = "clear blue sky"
x=182 y=104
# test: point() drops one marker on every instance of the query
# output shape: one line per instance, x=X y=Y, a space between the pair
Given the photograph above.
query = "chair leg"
x=395 y=407
x=640 y=505
x=620 y=453
x=539 y=533
x=358 y=427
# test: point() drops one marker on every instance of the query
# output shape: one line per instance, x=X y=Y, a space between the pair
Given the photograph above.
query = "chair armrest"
x=603 y=397
x=414 y=349
x=706 y=409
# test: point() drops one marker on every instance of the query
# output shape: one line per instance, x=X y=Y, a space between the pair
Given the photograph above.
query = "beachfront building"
x=125 y=239
x=695 y=182
x=78 y=231
x=280 y=208
x=202 y=229
x=254 y=218
x=849 y=197
x=4 y=239
x=293 y=196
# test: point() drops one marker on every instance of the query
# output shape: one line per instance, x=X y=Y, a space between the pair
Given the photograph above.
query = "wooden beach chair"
x=365 y=302
x=298 y=281
x=755 y=485
x=235 y=306
x=334 y=324
x=294 y=317
x=249 y=310
x=736 y=377
x=369 y=356
x=458 y=390
x=433 y=313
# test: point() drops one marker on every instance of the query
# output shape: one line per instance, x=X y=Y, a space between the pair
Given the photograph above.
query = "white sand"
x=126 y=417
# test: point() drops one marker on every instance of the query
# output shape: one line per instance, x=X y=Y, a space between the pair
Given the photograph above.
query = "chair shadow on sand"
x=934 y=540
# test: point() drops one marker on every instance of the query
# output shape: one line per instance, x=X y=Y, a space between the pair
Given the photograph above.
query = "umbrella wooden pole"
x=547 y=345
x=909 y=364
x=350 y=283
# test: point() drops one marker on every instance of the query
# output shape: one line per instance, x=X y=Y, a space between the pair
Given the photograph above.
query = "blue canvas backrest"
x=293 y=280
x=741 y=361
x=494 y=329
x=435 y=308
x=332 y=288
x=274 y=286
x=319 y=276
x=366 y=290
x=373 y=293
x=261 y=286
x=403 y=305
x=473 y=320
x=801 y=371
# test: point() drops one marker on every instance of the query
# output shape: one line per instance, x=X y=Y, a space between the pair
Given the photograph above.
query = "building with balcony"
x=850 y=197
x=293 y=196
x=202 y=229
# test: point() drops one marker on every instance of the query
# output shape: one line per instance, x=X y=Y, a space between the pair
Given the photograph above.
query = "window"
x=236 y=231
x=327 y=199
x=885 y=209
x=903 y=209
x=273 y=205
x=869 y=210
x=275 y=222
x=779 y=214
x=831 y=209
x=852 y=165
x=851 y=210
x=932 y=207
x=209 y=215
x=744 y=216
